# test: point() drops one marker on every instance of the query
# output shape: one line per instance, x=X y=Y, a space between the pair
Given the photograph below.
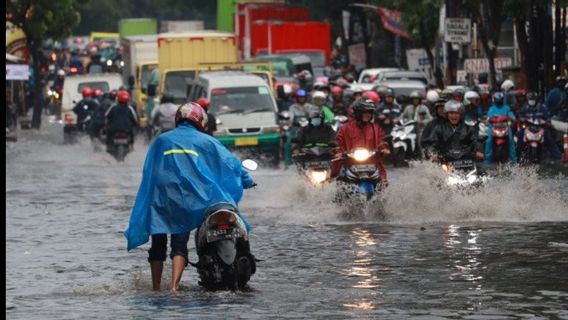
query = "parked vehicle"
x=404 y=142
x=368 y=77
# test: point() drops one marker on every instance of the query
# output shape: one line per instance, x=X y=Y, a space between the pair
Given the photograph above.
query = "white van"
x=245 y=110
x=72 y=88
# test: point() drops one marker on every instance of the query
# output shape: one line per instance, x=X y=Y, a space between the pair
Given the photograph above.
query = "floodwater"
x=498 y=253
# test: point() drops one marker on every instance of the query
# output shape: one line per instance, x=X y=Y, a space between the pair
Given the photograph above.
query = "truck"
x=179 y=56
x=249 y=12
x=311 y=38
x=137 y=27
x=140 y=56
x=181 y=25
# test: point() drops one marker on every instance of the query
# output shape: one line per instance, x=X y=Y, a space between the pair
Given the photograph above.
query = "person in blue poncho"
x=499 y=108
x=185 y=172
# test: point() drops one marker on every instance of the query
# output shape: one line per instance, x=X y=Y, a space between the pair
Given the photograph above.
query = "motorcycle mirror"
x=250 y=164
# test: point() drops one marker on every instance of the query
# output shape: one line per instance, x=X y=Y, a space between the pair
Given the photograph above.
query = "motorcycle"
x=533 y=140
x=222 y=245
x=315 y=163
x=403 y=137
x=560 y=133
x=500 y=135
x=360 y=171
x=461 y=169
x=120 y=146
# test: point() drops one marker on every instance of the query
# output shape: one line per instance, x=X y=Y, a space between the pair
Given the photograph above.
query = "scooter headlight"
x=445 y=167
x=109 y=63
x=472 y=179
x=317 y=176
x=361 y=154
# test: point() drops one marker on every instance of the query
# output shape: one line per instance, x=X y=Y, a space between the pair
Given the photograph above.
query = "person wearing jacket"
x=164 y=115
x=185 y=172
x=85 y=107
x=388 y=112
x=535 y=110
x=453 y=134
x=498 y=109
x=316 y=132
x=121 y=117
x=319 y=99
x=362 y=133
x=439 y=119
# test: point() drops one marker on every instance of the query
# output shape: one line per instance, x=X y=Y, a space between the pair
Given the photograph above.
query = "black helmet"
x=532 y=95
x=167 y=98
x=363 y=105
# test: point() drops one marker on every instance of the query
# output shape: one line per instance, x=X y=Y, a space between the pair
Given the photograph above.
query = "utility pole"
x=451 y=54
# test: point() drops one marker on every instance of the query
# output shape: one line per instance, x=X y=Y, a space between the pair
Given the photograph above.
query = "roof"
x=375 y=71
x=142 y=38
x=402 y=84
x=231 y=79
x=200 y=33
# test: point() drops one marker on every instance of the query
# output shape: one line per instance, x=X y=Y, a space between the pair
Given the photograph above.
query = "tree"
x=422 y=22
x=488 y=14
x=40 y=20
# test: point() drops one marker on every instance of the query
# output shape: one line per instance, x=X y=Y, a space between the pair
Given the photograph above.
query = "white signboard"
x=417 y=60
x=357 y=55
x=17 y=72
x=458 y=30
x=482 y=65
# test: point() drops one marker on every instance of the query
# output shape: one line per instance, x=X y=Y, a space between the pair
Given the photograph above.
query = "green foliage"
x=421 y=19
x=42 y=19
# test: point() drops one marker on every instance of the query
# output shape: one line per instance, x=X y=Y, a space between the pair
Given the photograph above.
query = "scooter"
x=360 y=170
x=315 y=163
x=403 y=141
x=120 y=146
x=461 y=169
x=533 y=141
x=500 y=136
x=222 y=244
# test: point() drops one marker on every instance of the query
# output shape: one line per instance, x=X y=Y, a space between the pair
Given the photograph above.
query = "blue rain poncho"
x=185 y=172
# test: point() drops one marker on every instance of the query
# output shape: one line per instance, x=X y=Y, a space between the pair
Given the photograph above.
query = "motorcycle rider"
x=362 y=132
x=339 y=106
x=85 y=107
x=439 y=118
x=508 y=89
x=432 y=97
x=535 y=110
x=299 y=109
x=121 y=117
x=97 y=122
x=319 y=98
x=453 y=133
x=388 y=112
x=211 y=120
x=459 y=95
x=418 y=112
x=285 y=98
x=557 y=96
x=163 y=116
x=316 y=132
x=185 y=172
x=499 y=108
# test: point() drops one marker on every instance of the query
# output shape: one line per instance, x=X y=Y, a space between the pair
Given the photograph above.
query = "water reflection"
x=362 y=268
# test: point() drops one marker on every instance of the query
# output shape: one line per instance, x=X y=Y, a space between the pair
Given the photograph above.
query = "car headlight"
x=361 y=154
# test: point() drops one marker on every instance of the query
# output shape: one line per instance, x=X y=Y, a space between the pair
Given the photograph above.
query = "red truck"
x=307 y=37
x=249 y=12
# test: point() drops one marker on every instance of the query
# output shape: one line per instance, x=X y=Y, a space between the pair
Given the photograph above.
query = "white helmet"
x=287 y=89
x=60 y=72
x=453 y=106
x=432 y=96
x=319 y=94
x=470 y=95
x=507 y=84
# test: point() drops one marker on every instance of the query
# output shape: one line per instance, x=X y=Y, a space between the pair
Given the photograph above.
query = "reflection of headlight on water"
x=317 y=177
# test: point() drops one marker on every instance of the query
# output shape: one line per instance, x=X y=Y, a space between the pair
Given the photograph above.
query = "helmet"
x=301 y=93
x=167 y=98
x=498 y=97
x=507 y=84
x=203 y=103
x=192 y=113
x=98 y=93
x=432 y=96
x=336 y=90
x=60 y=73
x=453 y=106
x=287 y=89
x=87 y=92
x=470 y=95
x=319 y=85
x=319 y=94
x=440 y=102
x=372 y=95
x=448 y=93
x=415 y=95
x=123 y=97
x=459 y=92
x=363 y=105
x=389 y=92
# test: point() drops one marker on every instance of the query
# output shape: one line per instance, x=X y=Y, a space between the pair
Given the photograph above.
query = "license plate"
x=462 y=163
x=246 y=142
x=363 y=168
x=121 y=141
x=220 y=234
x=316 y=164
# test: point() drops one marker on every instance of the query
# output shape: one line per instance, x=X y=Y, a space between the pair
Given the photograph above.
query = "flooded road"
x=499 y=253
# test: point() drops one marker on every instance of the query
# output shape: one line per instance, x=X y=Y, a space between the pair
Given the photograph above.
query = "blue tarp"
x=185 y=172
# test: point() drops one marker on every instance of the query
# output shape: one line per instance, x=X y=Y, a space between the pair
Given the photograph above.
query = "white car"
x=367 y=77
